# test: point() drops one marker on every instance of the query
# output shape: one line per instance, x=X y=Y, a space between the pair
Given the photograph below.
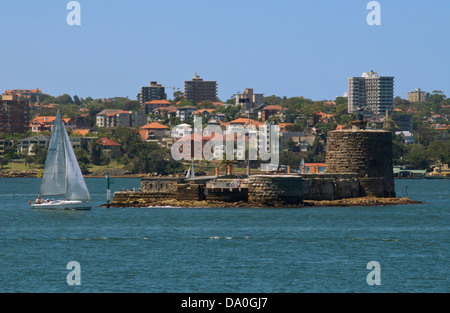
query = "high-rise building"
x=14 y=114
x=373 y=93
x=153 y=92
x=250 y=102
x=199 y=90
x=418 y=96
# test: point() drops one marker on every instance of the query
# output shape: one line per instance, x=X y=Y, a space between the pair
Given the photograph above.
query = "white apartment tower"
x=373 y=93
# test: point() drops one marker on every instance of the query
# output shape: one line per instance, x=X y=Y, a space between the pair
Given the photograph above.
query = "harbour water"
x=233 y=250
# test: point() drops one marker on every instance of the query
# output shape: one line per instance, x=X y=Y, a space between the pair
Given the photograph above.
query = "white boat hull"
x=63 y=205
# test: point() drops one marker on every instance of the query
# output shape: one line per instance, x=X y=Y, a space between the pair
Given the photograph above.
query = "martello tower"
x=367 y=153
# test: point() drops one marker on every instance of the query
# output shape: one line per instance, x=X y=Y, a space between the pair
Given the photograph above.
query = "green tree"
x=41 y=156
x=29 y=160
x=417 y=157
x=64 y=99
x=76 y=100
x=439 y=150
x=96 y=152
x=341 y=101
x=177 y=96
x=290 y=158
x=132 y=105
x=82 y=155
x=3 y=161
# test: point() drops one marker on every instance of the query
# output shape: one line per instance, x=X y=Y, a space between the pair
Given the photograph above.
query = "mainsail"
x=62 y=174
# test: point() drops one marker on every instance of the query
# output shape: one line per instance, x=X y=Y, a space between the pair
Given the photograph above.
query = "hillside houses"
x=111 y=118
x=45 y=123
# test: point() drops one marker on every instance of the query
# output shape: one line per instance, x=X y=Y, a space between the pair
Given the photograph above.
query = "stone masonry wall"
x=275 y=189
x=365 y=153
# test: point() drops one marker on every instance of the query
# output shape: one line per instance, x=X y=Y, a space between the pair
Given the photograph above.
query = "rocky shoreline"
x=172 y=203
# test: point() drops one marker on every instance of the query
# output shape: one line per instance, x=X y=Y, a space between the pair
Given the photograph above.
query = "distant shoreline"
x=33 y=174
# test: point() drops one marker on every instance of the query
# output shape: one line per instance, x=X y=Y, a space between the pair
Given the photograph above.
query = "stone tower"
x=366 y=153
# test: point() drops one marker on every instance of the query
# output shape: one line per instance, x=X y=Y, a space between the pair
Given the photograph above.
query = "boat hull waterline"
x=63 y=205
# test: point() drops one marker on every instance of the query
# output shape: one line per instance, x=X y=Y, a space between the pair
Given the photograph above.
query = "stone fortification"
x=359 y=164
x=365 y=153
x=275 y=189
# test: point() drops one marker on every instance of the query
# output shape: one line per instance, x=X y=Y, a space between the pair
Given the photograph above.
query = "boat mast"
x=108 y=191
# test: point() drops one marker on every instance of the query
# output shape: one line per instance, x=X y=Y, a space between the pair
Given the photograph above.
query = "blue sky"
x=284 y=48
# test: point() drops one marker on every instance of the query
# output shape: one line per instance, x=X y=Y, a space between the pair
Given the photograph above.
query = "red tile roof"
x=158 y=102
x=170 y=108
x=244 y=121
x=80 y=132
x=108 y=142
x=273 y=107
x=154 y=125
x=315 y=164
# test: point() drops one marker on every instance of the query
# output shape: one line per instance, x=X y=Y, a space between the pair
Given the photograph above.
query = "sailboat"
x=62 y=177
x=191 y=171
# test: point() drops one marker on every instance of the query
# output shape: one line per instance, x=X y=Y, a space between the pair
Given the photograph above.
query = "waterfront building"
x=109 y=147
x=374 y=94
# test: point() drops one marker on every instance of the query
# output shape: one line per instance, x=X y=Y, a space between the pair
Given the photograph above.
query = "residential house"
x=110 y=148
x=205 y=113
x=168 y=112
x=181 y=131
x=80 y=132
x=184 y=113
x=45 y=123
x=270 y=110
x=150 y=106
x=154 y=130
x=285 y=136
x=111 y=118
x=4 y=145
x=407 y=136
x=29 y=145
x=250 y=102
x=306 y=142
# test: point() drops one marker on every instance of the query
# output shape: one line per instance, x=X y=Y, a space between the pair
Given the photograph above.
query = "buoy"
x=29 y=202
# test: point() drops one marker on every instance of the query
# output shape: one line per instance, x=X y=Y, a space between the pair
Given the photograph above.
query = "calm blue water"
x=225 y=250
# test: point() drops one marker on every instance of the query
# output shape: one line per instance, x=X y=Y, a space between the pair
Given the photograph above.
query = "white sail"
x=76 y=188
x=54 y=176
x=62 y=174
